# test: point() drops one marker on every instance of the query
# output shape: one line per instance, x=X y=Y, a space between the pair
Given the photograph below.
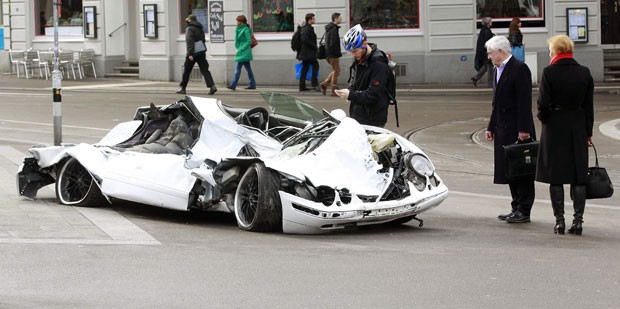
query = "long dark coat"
x=511 y=111
x=565 y=108
x=309 y=45
x=481 y=52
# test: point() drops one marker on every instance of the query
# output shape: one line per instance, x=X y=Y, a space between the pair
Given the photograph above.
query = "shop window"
x=385 y=14
x=70 y=20
x=273 y=16
x=531 y=12
x=198 y=8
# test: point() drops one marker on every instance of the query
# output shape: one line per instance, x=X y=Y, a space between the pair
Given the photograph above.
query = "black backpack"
x=296 y=40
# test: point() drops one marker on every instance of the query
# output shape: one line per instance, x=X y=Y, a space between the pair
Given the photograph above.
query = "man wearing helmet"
x=368 y=79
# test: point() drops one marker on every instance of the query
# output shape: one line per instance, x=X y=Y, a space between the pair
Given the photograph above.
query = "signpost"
x=56 y=82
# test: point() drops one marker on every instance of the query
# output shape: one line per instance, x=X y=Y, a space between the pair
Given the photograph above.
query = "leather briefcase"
x=520 y=160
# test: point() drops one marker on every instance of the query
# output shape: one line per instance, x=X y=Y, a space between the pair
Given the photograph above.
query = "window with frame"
x=531 y=12
x=70 y=20
x=385 y=14
x=198 y=8
x=273 y=16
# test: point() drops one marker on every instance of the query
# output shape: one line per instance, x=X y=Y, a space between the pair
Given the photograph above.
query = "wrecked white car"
x=294 y=170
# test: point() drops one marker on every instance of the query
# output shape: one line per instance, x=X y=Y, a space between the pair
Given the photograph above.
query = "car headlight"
x=419 y=164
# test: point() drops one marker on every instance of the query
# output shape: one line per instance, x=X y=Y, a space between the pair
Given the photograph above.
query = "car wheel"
x=257 y=202
x=76 y=186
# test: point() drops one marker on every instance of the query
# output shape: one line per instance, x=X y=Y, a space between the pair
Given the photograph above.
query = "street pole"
x=56 y=82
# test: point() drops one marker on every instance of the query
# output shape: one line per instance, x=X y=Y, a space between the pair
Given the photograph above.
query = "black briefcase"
x=520 y=160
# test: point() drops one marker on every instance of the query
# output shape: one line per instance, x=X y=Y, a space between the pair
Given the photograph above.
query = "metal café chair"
x=85 y=59
x=31 y=59
x=65 y=61
x=46 y=61
x=15 y=56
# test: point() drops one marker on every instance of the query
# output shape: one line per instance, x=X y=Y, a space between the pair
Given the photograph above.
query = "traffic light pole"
x=56 y=83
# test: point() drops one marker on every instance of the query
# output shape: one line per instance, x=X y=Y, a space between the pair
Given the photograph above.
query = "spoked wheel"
x=75 y=185
x=257 y=202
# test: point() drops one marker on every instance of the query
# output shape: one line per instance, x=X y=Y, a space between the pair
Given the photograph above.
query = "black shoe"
x=213 y=90
x=180 y=90
x=231 y=88
x=474 y=81
x=250 y=88
x=518 y=217
x=505 y=216
x=576 y=228
x=304 y=89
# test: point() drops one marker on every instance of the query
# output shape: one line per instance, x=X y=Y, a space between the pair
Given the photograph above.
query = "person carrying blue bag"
x=515 y=37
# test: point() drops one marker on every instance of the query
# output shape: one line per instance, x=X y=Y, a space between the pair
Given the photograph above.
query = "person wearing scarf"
x=565 y=108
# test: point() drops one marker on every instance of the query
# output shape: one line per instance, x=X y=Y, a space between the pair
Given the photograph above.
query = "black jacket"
x=309 y=46
x=332 y=41
x=481 y=51
x=367 y=93
x=566 y=110
x=193 y=33
x=515 y=38
x=511 y=111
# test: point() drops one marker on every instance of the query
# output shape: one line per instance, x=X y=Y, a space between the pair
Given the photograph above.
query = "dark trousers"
x=201 y=59
x=304 y=71
x=522 y=193
x=488 y=69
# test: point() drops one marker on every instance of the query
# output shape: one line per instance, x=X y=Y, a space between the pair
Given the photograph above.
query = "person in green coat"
x=243 y=40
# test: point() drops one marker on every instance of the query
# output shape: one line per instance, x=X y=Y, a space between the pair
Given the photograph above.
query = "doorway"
x=610 y=21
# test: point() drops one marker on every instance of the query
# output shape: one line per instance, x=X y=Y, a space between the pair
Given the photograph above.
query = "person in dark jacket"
x=565 y=108
x=481 y=61
x=332 y=54
x=307 y=54
x=369 y=76
x=511 y=121
x=515 y=37
x=196 y=53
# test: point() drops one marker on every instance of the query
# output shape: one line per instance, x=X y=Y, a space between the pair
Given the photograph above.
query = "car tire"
x=257 y=202
x=75 y=186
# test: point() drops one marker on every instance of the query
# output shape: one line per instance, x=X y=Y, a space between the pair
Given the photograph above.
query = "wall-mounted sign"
x=90 y=22
x=216 y=21
x=577 y=24
x=150 y=20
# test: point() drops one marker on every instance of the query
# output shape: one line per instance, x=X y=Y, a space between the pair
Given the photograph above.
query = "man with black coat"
x=511 y=121
x=307 y=54
x=196 y=53
x=332 y=54
x=369 y=76
x=481 y=61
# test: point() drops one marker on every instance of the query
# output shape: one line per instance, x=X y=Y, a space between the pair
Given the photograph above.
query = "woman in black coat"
x=565 y=108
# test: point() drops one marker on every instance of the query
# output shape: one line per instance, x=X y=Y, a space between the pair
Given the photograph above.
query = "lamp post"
x=56 y=82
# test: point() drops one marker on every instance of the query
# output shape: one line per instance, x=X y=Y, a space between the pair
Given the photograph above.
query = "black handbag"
x=321 y=53
x=598 y=184
x=520 y=160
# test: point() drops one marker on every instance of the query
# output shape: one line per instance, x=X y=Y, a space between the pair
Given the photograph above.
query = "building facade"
x=433 y=41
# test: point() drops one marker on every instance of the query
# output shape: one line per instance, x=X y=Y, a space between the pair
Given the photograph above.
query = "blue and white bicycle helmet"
x=354 y=38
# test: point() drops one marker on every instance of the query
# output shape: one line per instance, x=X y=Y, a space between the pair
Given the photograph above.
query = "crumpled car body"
x=294 y=170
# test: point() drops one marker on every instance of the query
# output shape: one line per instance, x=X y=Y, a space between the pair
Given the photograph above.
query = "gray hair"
x=486 y=21
x=498 y=42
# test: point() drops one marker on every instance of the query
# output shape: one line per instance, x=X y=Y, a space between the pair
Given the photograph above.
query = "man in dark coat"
x=307 y=54
x=481 y=61
x=368 y=81
x=511 y=120
x=332 y=54
x=196 y=53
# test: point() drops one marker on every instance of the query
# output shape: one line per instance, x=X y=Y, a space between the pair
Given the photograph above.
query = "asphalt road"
x=130 y=255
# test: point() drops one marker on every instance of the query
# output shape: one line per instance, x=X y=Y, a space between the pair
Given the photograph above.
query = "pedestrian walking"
x=481 y=61
x=367 y=90
x=565 y=109
x=243 y=56
x=511 y=120
x=196 y=53
x=307 y=54
x=515 y=37
x=332 y=54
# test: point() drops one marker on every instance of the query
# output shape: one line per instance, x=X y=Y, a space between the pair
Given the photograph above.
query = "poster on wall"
x=216 y=21
x=577 y=24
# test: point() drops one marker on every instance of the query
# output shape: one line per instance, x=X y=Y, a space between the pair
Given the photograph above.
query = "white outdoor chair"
x=15 y=56
x=65 y=62
x=30 y=61
x=46 y=61
x=85 y=59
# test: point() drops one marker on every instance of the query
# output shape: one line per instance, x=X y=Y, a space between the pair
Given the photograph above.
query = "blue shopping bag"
x=298 y=67
x=519 y=53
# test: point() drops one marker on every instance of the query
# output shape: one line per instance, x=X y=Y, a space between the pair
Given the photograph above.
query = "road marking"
x=610 y=129
x=119 y=229
x=109 y=85
x=50 y=124
x=503 y=197
x=25 y=94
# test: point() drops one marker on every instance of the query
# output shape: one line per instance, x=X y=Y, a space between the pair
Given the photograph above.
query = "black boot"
x=579 y=204
x=557 y=203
